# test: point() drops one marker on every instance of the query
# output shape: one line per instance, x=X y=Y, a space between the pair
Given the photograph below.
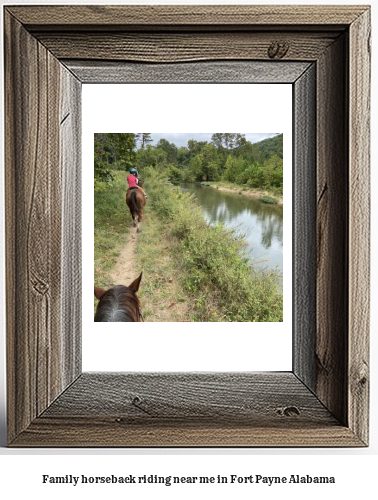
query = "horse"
x=119 y=303
x=136 y=200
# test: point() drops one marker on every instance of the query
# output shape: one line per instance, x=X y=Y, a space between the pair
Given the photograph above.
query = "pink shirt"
x=132 y=180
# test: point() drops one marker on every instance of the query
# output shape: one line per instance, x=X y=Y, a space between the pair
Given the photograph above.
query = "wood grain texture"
x=180 y=47
x=202 y=72
x=33 y=228
x=173 y=16
x=33 y=215
x=241 y=397
x=70 y=143
x=304 y=240
x=322 y=403
x=197 y=409
x=97 y=432
x=359 y=226
x=331 y=351
x=332 y=230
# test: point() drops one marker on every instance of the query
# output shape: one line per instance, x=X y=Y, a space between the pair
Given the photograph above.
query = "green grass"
x=162 y=295
x=224 y=284
x=111 y=219
x=192 y=270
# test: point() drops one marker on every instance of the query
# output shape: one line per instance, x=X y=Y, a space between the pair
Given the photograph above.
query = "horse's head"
x=119 y=303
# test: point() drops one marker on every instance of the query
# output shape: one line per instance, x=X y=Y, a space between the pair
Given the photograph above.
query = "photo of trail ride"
x=188 y=227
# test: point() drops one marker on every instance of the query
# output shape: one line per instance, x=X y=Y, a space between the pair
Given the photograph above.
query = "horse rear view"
x=136 y=200
x=119 y=303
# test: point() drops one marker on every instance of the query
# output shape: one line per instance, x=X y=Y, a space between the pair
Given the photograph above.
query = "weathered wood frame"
x=49 y=53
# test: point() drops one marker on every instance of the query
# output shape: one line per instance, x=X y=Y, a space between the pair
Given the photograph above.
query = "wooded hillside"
x=228 y=156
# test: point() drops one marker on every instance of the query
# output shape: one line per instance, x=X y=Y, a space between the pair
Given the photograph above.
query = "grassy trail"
x=162 y=296
x=191 y=271
x=121 y=254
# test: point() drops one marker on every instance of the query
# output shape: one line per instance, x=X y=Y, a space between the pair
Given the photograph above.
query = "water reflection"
x=261 y=224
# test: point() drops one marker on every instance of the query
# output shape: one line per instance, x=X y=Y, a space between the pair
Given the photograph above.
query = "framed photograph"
x=324 y=53
x=189 y=288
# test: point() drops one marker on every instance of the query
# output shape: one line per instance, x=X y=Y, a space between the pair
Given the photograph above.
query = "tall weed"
x=226 y=284
x=110 y=225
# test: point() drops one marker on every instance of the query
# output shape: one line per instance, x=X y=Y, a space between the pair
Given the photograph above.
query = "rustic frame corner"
x=324 y=51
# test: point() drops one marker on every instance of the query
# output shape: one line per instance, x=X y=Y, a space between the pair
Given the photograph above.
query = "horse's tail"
x=136 y=209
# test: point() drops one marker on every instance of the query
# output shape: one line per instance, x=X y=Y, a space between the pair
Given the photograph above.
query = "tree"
x=251 y=152
x=235 y=170
x=228 y=141
x=144 y=139
x=195 y=147
x=169 y=148
x=205 y=165
x=183 y=157
x=124 y=147
x=174 y=175
x=151 y=156
x=112 y=151
x=271 y=146
x=273 y=172
x=102 y=170
x=217 y=140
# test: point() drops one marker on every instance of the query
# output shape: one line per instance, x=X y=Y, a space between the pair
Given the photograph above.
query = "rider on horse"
x=133 y=180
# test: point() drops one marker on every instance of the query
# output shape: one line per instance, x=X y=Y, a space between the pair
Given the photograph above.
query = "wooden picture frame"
x=324 y=52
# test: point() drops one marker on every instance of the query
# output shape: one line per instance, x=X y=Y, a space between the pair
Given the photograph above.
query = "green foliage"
x=272 y=146
x=205 y=165
x=216 y=269
x=266 y=176
x=111 y=152
x=143 y=138
x=151 y=156
x=229 y=157
x=170 y=150
x=174 y=175
x=273 y=172
x=268 y=199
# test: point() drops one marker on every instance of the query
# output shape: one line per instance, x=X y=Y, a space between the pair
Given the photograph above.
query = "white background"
x=185 y=346
x=354 y=469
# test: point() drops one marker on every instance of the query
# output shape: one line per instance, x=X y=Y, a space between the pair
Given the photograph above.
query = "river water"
x=261 y=224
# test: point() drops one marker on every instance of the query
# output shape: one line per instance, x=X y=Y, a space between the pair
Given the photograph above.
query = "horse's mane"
x=118 y=304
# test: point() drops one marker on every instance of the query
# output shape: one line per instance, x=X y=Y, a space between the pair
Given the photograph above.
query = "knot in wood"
x=288 y=411
x=41 y=287
x=136 y=400
x=278 y=50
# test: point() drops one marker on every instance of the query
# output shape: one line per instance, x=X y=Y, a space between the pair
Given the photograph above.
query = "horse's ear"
x=135 y=284
x=99 y=292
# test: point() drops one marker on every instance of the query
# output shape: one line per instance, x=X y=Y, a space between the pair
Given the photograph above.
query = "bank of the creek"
x=250 y=193
x=260 y=223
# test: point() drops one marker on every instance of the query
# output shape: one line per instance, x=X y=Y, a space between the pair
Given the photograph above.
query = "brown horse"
x=136 y=200
x=119 y=303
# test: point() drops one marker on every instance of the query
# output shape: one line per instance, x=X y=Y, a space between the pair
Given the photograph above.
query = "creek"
x=260 y=224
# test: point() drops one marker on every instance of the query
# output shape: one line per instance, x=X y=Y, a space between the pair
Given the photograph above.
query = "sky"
x=182 y=139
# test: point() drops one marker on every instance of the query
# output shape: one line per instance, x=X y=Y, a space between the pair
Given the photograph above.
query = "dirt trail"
x=159 y=303
x=124 y=272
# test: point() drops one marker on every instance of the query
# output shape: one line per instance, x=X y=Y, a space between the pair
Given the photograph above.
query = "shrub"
x=268 y=199
x=216 y=269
